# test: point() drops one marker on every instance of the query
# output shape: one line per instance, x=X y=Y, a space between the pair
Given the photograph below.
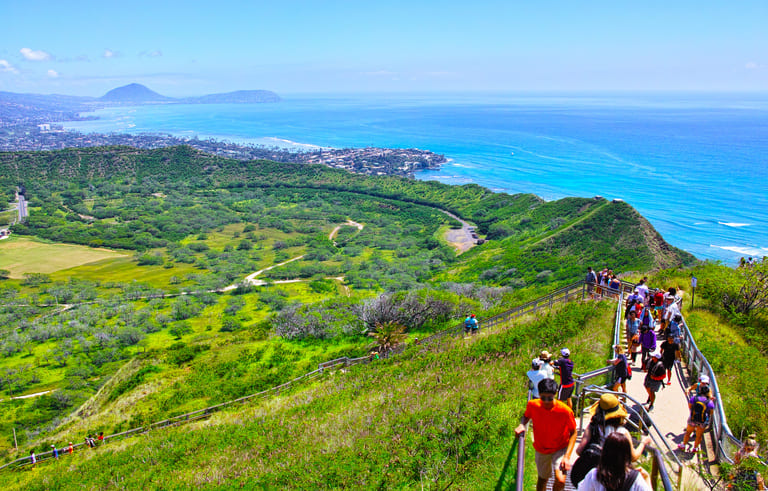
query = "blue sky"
x=194 y=48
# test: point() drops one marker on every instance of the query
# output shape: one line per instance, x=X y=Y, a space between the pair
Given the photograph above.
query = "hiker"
x=608 y=416
x=673 y=329
x=632 y=300
x=565 y=365
x=470 y=324
x=746 y=462
x=642 y=290
x=101 y=437
x=55 y=452
x=670 y=353
x=654 y=379
x=33 y=458
x=71 y=448
x=698 y=386
x=701 y=407
x=633 y=327
x=658 y=303
x=536 y=375
x=614 y=470
x=546 y=358
x=748 y=449
x=647 y=343
x=671 y=309
x=554 y=435
x=590 y=280
x=621 y=370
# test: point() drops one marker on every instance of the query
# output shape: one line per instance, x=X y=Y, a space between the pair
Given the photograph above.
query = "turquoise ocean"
x=695 y=165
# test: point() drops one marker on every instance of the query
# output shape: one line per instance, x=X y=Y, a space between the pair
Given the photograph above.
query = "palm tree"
x=388 y=335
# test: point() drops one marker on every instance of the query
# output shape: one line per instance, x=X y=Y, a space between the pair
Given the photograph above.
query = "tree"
x=388 y=335
x=179 y=329
x=743 y=291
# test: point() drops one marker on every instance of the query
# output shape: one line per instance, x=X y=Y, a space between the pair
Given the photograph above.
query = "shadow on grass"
x=504 y=478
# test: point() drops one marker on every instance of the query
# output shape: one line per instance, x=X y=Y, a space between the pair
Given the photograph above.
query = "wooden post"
x=15 y=443
x=655 y=472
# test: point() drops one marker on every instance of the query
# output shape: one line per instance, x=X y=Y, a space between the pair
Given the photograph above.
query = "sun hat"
x=703 y=379
x=565 y=352
x=656 y=354
x=544 y=355
x=611 y=407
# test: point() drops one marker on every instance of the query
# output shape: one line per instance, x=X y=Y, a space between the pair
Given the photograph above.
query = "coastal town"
x=370 y=160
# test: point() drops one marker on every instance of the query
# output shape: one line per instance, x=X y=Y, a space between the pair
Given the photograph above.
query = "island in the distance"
x=140 y=94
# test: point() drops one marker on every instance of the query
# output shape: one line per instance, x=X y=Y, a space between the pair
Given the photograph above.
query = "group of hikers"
x=91 y=441
x=606 y=451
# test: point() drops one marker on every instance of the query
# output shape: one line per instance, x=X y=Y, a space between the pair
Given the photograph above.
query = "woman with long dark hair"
x=615 y=472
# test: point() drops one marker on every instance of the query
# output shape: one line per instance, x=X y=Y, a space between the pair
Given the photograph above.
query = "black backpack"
x=699 y=410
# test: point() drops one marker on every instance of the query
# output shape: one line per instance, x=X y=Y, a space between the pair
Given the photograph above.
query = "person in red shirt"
x=554 y=435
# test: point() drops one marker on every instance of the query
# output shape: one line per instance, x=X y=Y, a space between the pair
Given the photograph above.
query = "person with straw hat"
x=608 y=416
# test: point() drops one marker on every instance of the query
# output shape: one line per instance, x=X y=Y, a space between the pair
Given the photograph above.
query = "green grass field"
x=21 y=255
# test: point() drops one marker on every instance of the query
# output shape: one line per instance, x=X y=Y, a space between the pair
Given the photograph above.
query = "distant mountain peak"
x=133 y=93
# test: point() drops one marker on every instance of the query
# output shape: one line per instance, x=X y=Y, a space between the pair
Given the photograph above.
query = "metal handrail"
x=698 y=362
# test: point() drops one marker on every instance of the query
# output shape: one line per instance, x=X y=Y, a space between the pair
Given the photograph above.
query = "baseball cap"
x=565 y=352
x=703 y=379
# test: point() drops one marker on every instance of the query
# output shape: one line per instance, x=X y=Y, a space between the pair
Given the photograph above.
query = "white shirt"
x=536 y=376
x=590 y=483
x=642 y=290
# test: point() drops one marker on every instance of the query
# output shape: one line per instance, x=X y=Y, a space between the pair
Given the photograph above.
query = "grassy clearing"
x=22 y=255
x=438 y=415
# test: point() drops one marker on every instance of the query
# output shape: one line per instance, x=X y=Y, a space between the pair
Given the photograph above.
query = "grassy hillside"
x=436 y=416
x=170 y=324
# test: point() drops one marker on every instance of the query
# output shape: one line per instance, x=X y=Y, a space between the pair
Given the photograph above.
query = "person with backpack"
x=608 y=416
x=633 y=327
x=654 y=379
x=647 y=343
x=632 y=301
x=670 y=353
x=614 y=471
x=658 y=303
x=701 y=407
x=470 y=324
x=565 y=365
x=621 y=370
x=535 y=375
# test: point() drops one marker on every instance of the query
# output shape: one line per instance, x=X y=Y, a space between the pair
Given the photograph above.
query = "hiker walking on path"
x=554 y=435
x=614 y=471
x=55 y=452
x=536 y=375
x=546 y=359
x=633 y=327
x=670 y=353
x=654 y=379
x=590 y=280
x=70 y=448
x=621 y=369
x=608 y=416
x=33 y=458
x=565 y=365
x=647 y=344
x=470 y=324
x=701 y=407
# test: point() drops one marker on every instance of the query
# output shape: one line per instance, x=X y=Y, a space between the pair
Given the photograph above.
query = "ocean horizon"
x=694 y=164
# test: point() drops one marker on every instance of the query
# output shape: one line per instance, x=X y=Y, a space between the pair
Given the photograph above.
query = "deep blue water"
x=695 y=165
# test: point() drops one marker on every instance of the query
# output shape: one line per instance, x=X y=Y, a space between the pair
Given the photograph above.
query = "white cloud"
x=33 y=55
x=108 y=53
x=151 y=54
x=53 y=73
x=7 y=67
x=751 y=65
